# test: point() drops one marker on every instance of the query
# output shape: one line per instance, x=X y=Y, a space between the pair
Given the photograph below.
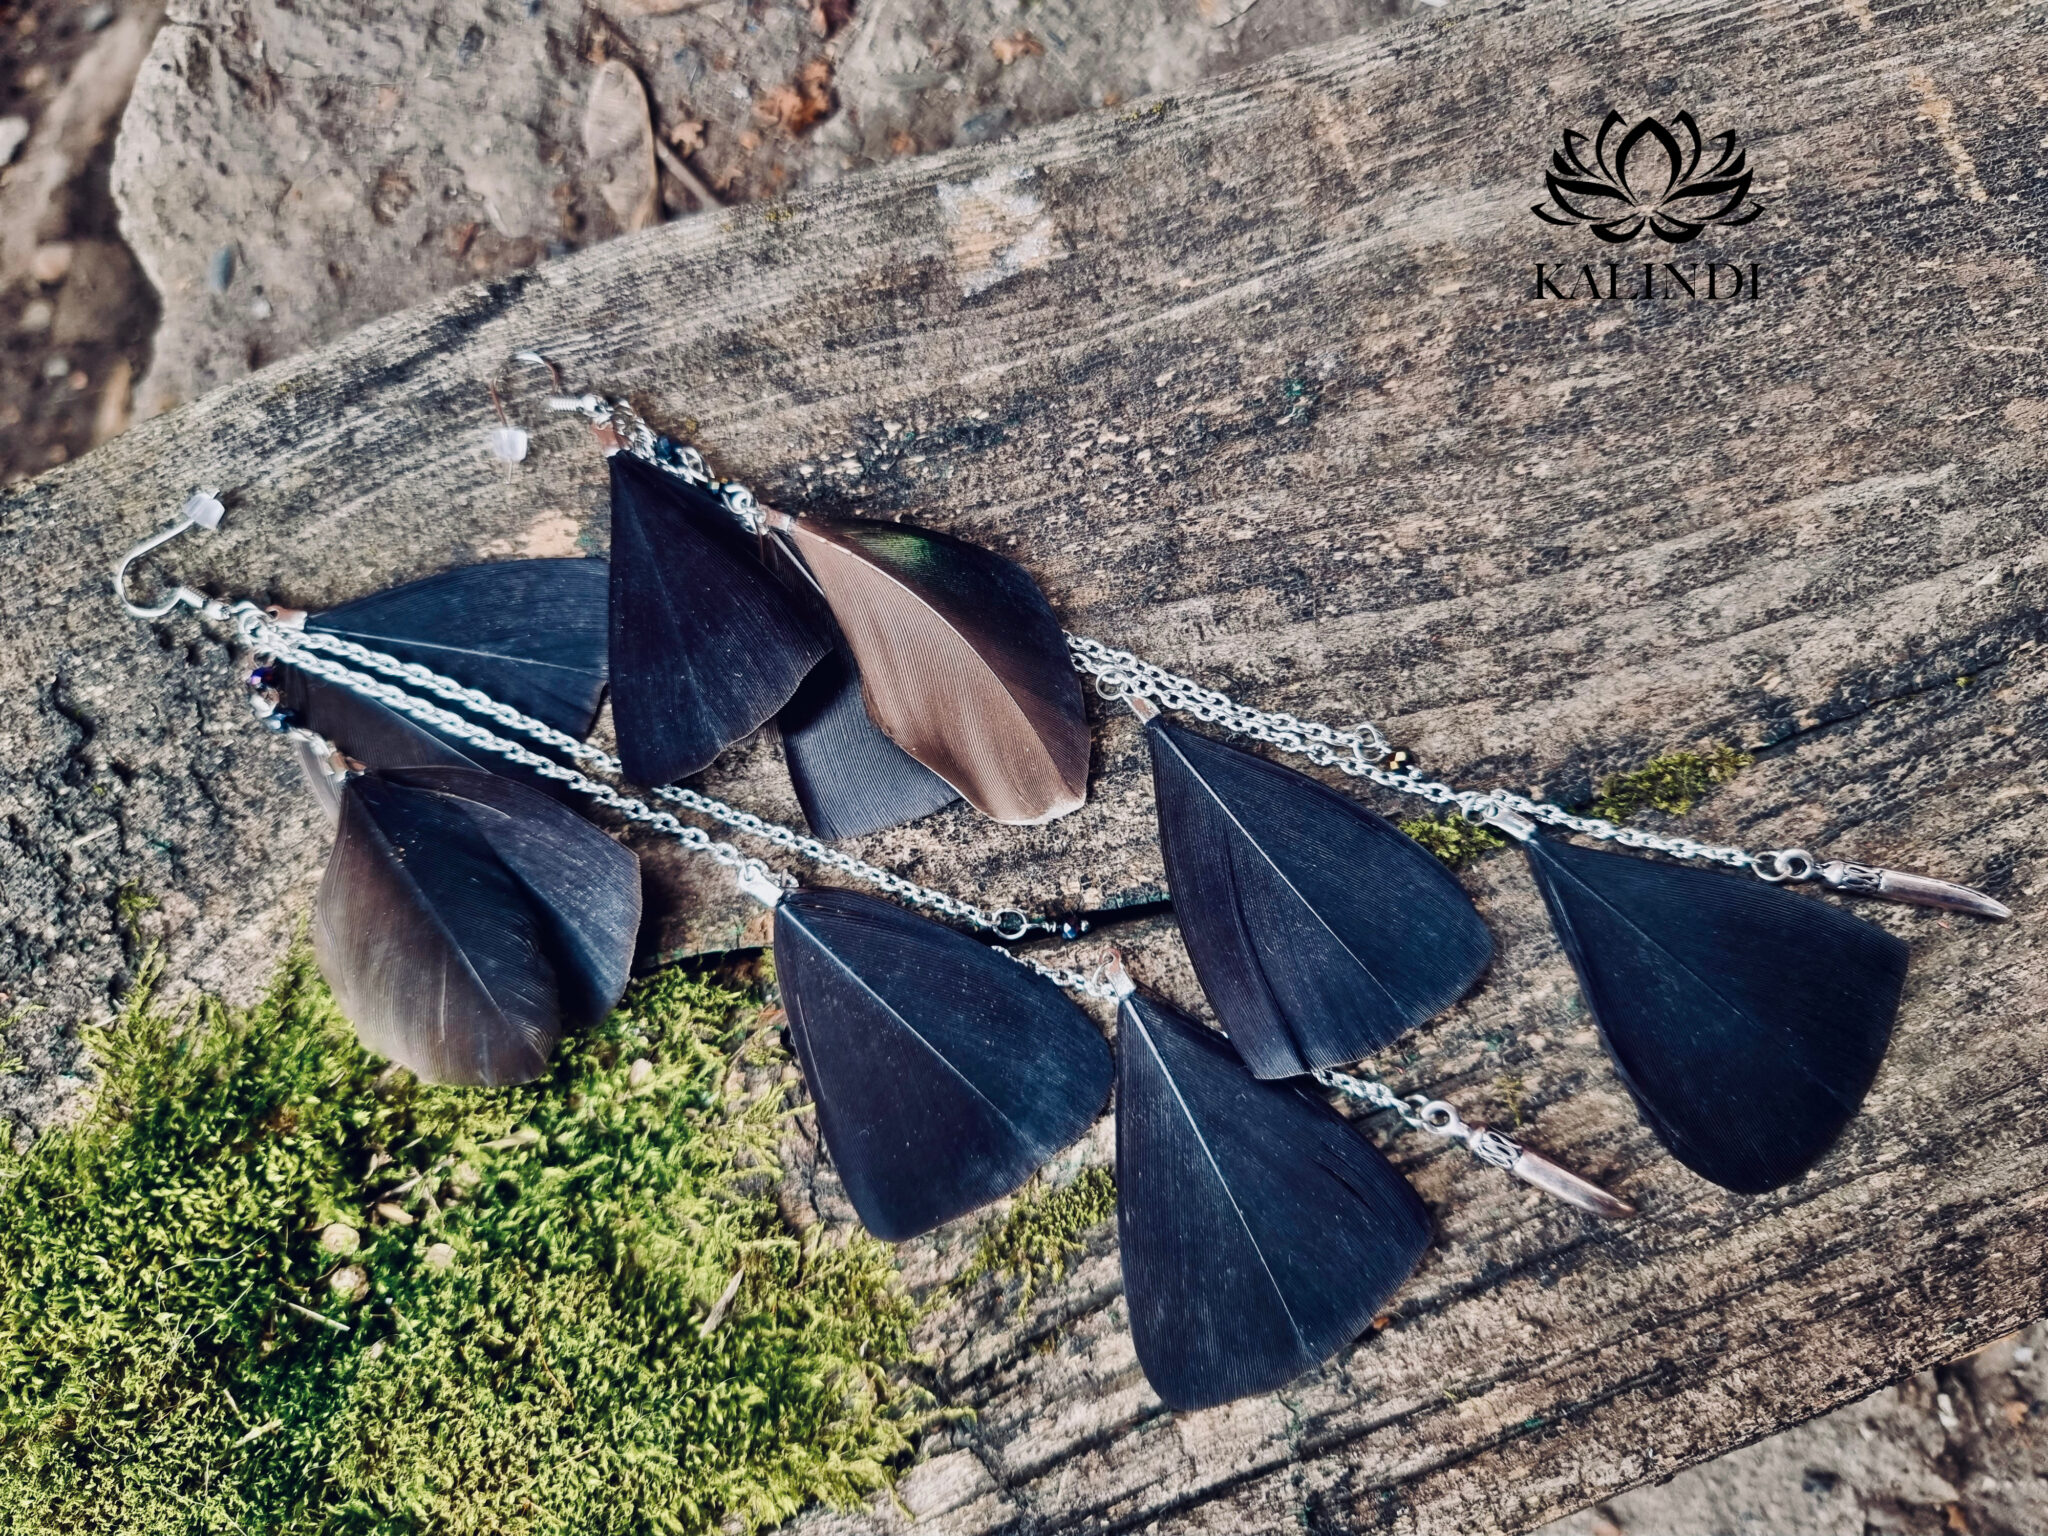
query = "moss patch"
x=1043 y=1230
x=267 y=1287
x=1673 y=782
x=1452 y=838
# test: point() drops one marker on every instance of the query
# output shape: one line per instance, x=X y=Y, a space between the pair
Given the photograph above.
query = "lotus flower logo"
x=1648 y=177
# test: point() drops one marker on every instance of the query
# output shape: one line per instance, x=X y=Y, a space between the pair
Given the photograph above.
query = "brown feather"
x=962 y=663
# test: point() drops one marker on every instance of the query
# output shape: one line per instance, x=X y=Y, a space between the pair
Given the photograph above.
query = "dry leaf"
x=1018 y=45
x=618 y=138
x=804 y=101
x=828 y=16
x=687 y=137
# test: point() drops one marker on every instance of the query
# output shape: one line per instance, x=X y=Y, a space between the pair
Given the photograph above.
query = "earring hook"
x=202 y=510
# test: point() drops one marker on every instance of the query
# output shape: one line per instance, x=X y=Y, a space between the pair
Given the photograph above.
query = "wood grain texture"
x=1251 y=380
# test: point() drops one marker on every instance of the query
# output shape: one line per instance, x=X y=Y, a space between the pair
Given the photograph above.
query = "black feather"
x=1319 y=930
x=944 y=1073
x=435 y=950
x=585 y=884
x=1748 y=1022
x=850 y=778
x=530 y=633
x=378 y=737
x=705 y=646
x=1260 y=1232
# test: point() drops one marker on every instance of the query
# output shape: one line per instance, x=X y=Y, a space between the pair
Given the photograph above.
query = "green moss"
x=531 y=1352
x=1453 y=839
x=1043 y=1230
x=1673 y=782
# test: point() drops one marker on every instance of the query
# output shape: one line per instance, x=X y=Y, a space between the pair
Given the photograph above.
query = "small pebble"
x=351 y=1282
x=13 y=134
x=49 y=263
x=37 y=315
x=260 y=309
x=220 y=271
x=96 y=16
x=440 y=1258
x=508 y=444
x=57 y=368
x=638 y=1074
x=79 y=379
x=2024 y=1355
x=340 y=1238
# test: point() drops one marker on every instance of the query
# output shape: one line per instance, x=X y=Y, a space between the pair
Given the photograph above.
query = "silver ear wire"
x=508 y=443
x=202 y=510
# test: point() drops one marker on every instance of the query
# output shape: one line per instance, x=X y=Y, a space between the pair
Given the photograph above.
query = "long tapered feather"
x=1748 y=1022
x=944 y=1073
x=585 y=884
x=434 y=948
x=1260 y=1233
x=705 y=646
x=850 y=778
x=378 y=737
x=530 y=633
x=961 y=661
x=1320 y=931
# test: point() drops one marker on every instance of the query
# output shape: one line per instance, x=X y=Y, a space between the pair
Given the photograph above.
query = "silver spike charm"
x=1913 y=890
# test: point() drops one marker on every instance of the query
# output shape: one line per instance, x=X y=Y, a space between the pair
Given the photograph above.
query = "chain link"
x=1419 y=1112
x=301 y=648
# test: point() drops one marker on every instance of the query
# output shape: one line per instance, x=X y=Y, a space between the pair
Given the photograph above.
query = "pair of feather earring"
x=1747 y=1022
x=943 y=1074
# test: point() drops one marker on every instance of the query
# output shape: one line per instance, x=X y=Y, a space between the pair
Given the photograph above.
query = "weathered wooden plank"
x=1254 y=381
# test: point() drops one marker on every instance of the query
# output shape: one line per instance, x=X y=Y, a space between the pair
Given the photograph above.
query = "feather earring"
x=1747 y=1022
x=961 y=661
x=464 y=919
x=1260 y=1233
x=705 y=647
x=944 y=1072
x=1319 y=930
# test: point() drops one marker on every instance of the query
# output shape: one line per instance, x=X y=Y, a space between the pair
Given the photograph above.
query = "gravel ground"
x=752 y=97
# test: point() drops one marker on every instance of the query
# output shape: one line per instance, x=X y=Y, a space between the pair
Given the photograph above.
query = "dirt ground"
x=747 y=98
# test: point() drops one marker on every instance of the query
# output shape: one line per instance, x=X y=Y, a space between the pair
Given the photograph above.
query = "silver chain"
x=1419 y=1112
x=1361 y=752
